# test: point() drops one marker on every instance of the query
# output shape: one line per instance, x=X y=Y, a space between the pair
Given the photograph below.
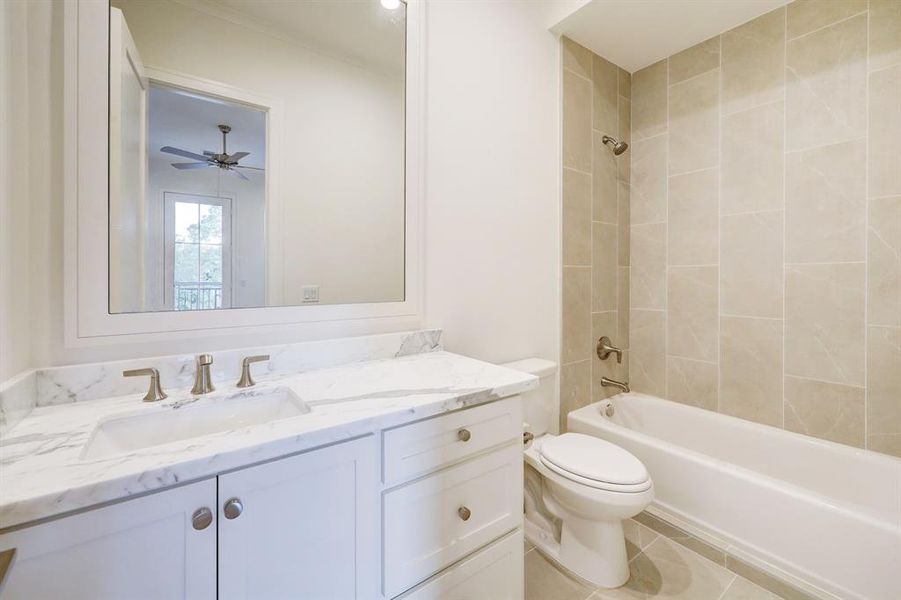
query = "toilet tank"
x=539 y=405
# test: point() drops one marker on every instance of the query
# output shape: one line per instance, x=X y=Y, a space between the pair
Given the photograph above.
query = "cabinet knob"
x=233 y=509
x=463 y=435
x=202 y=518
x=464 y=513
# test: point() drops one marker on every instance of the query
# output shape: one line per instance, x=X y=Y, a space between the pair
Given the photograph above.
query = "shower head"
x=618 y=147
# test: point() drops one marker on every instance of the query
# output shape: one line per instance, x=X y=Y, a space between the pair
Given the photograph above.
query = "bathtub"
x=821 y=515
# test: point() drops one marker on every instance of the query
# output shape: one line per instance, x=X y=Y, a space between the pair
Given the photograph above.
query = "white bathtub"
x=817 y=513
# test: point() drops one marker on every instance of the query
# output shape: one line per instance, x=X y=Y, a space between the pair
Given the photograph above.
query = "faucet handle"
x=155 y=391
x=246 y=380
x=606 y=347
x=204 y=359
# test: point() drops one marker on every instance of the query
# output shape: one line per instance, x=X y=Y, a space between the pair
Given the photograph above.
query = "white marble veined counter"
x=43 y=472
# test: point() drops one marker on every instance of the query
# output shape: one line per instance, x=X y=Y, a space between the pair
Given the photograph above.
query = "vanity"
x=392 y=478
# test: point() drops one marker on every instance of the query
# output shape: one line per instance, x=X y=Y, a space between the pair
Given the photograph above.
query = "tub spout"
x=607 y=382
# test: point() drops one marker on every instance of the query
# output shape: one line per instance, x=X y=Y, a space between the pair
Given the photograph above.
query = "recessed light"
x=390 y=4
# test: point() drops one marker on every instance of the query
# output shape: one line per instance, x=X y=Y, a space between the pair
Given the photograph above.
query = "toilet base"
x=595 y=551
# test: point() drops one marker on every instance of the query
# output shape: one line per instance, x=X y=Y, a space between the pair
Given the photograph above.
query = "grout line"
x=666 y=266
x=826 y=264
x=693 y=266
x=575 y=170
x=746 y=213
x=567 y=69
x=696 y=360
x=731 y=113
x=812 y=31
x=719 y=234
x=681 y=173
x=829 y=381
x=688 y=79
x=736 y=316
x=866 y=252
x=860 y=138
x=784 y=208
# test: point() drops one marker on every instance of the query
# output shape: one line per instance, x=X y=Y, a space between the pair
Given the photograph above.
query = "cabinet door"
x=139 y=549
x=307 y=529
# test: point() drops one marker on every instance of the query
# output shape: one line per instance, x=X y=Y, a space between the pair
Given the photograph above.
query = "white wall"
x=492 y=202
x=15 y=342
x=339 y=155
x=492 y=212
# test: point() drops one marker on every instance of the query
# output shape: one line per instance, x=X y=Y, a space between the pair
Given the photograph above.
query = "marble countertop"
x=43 y=472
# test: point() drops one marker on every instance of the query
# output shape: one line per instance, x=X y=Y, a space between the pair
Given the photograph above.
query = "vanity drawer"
x=419 y=448
x=433 y=522
x=495 y=572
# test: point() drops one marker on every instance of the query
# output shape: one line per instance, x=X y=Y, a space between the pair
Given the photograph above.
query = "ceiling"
x=189 y=121
x=359 y=31
x=636 y=33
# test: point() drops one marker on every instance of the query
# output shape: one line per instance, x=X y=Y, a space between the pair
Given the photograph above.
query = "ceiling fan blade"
x=237 y=156
x=208 y=153
x=182 y=153
x=197 y=165
x=245 y=167
x=239 y=174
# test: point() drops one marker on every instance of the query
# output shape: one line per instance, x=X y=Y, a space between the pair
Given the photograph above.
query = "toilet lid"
x=593 y=459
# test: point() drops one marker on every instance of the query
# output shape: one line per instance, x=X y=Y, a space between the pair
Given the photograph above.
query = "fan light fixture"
x=222 y=160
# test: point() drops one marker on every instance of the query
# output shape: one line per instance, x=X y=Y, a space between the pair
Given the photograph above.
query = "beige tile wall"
x=596 y=207
x=766 y=222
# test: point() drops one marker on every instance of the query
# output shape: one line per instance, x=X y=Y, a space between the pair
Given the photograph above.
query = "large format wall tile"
x=751 y=369
x=825 y=200
x=649 y=101
x=604 y=97
x=826 y=94
x=694 y=123
x=576 y=314
x=576 y=122
x=805 y=16
x=693 y=61
x=885 y=132
x=754 y=62
x=692 y=319
x=824 y=322
x=648 y=268
x=825 y=410
x=624 y=220
x=885 y=33
x=576 y=218
x=693 y=218
x=648 y=187
x=884 y=390
x=604 y=205
x=692 y=382
x=751 y=264
x=624 y=84
x=576 y=57
x=753 y=161
x=647 y=359
x=575 y=388
x=603 y=267
x=884 y=262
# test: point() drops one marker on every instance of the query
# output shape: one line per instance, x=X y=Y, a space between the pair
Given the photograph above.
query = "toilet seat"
x=595 y=463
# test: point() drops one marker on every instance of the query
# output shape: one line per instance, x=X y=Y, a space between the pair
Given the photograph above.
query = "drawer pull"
x=202 y=518
x=464 y=513
x=464 y=435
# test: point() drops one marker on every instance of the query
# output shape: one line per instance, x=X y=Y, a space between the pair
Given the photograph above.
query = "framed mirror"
x=252 y=162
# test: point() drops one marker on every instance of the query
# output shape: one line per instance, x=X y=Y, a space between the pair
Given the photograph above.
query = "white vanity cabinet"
x=308 y=527
x=142 y=548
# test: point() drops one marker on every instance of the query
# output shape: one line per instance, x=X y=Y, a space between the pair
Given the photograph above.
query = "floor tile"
x=667 y=570
x=545 y=582
x=638 y=537
x=742 y=589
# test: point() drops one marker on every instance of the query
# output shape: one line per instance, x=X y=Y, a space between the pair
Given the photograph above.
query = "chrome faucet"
x=203 y=382
x=605 y=348
x=607 y=382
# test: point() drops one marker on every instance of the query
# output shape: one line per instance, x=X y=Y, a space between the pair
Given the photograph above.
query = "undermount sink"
x=206 y=416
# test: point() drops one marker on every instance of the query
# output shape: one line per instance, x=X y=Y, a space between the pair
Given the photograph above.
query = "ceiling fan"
x=223 y=160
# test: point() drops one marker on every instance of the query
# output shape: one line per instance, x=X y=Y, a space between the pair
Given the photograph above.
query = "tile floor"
x=661 y=568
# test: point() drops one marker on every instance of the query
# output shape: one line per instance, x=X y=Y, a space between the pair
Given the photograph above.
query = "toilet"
x=585 y=488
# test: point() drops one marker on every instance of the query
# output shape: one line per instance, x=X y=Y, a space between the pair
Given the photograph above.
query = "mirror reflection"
x=256 y=153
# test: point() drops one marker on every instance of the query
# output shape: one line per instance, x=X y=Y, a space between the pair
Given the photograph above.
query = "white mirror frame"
x=86 y=173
